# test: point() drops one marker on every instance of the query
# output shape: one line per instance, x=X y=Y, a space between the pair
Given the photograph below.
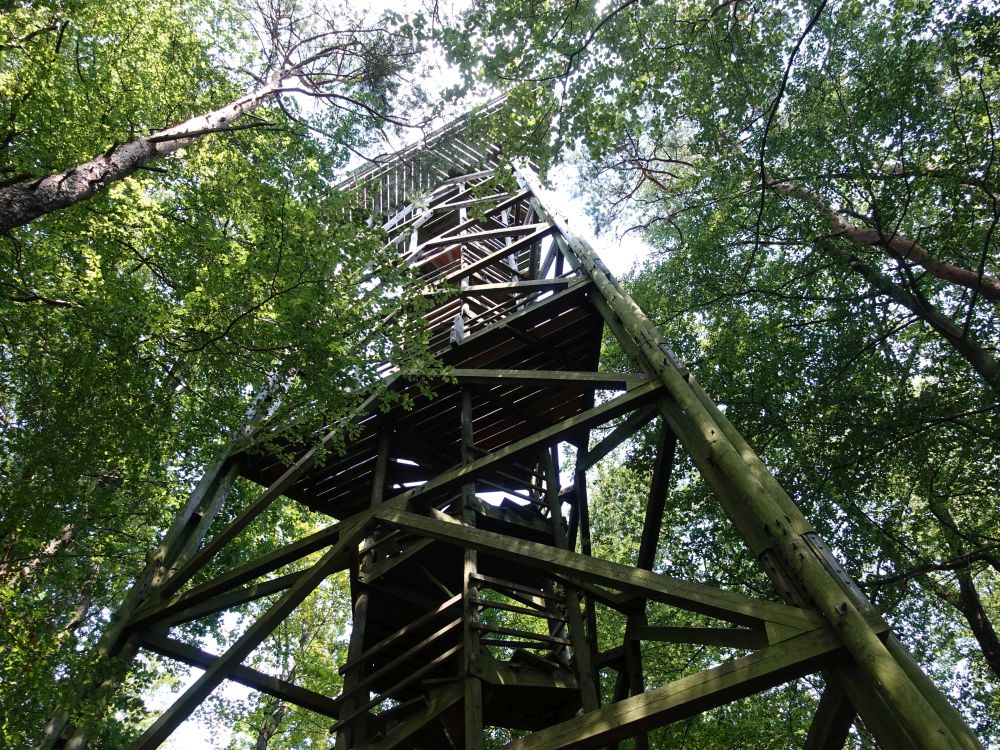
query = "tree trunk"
x=272 y=721
x=981 y=360
x=26 y=201
x=971 y=607
x=16 y=574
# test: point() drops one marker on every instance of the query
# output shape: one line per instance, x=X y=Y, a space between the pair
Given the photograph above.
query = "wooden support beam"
x=291 y=475
x=492 y=604
x=508 y=588
x=553 y=378
x=404 y=631
x=598 y=415
x=878 y=716
x=397 y=662
x=359 y=622
x=633 y=673
x=487 y=234
x=635 y=421
x=504 y=289
x=265 y=683
x=531 y=312
x=659 y=486
x=611 y=658
x=540 y=344
x=832 y=721
x=223 y=602
x=414 y=676
x=469 y=202
x=118 y=644
x=517 y=633
x=729 y=637
x=438 y=701
x=760 y=501
x=616 y=600
x=512 y=644
x=582 y=652
x=227 y=581
x=497 y=256
x=351 y=532
x=696 y=597
x=689 y=695
x=583 y=507
x=383 y=565
x=501 y=673
x=472 y=706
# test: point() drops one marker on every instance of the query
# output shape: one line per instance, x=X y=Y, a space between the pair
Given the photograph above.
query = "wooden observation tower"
x=466 y=533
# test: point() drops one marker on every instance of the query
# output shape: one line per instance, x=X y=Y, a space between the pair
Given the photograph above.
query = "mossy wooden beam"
x=689 y=695
x=265 y=683
x=726 y=605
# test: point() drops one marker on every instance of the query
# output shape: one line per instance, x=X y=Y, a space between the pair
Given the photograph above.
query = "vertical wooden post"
x=356 y=732
x=577 y=634
x=583 y=504
x=473 y=688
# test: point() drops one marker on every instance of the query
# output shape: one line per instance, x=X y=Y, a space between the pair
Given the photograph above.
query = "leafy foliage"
x=137 y=329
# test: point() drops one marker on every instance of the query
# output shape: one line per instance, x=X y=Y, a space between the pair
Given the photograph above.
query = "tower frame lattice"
x=452 y=517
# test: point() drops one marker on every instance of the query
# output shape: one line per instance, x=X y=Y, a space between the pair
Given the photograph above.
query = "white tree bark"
x=26 y=201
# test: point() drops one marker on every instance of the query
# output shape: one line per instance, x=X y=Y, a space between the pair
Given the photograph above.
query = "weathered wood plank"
x=265 y=683
x=688 y=696
x=351 y=532
x=553 y=378
x=726 y=605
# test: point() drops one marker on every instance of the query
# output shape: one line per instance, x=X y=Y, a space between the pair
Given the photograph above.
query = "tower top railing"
x=395 y=179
